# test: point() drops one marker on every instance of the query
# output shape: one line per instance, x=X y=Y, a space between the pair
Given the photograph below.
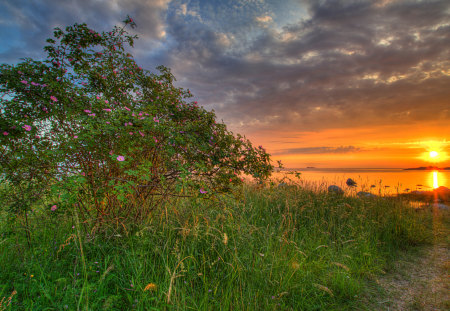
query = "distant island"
x=427 y=168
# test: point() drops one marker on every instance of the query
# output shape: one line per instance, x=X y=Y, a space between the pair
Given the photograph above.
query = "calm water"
x=386 y=181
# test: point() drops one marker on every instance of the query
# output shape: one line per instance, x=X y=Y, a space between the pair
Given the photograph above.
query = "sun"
x=434 y=154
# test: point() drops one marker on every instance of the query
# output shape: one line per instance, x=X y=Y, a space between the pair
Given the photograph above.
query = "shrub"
x=108 y=138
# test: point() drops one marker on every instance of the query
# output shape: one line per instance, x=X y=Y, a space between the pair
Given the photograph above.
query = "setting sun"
x=433 y=154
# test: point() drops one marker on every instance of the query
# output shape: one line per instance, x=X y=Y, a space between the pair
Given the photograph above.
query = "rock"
x=335 y=189
x=363 y=194
x=282 y=185
x=350 y=182
x=442 y=206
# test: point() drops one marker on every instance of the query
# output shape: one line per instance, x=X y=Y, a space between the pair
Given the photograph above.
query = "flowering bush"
x=112 y=139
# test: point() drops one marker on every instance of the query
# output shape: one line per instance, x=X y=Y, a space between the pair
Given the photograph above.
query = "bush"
x=107 y=138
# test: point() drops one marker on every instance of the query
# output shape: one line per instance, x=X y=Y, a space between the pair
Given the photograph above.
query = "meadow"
x=274 y=248
x=118 y=193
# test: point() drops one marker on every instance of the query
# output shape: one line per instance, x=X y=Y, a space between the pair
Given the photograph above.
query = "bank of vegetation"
x=117 y=193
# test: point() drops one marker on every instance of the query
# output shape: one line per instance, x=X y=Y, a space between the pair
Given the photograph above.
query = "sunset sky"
x=317 y=83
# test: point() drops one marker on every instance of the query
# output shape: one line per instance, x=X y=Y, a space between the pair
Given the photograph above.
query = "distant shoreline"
x=428 y=168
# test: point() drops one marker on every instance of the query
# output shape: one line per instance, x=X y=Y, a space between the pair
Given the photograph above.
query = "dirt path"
x=421 y=281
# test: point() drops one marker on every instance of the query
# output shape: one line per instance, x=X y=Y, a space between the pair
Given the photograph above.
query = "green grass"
x=276 y=249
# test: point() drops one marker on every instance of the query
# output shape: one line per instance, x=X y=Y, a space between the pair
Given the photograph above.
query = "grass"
x=276 y=249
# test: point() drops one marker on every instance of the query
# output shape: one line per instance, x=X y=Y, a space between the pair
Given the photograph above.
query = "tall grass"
x=276 y=249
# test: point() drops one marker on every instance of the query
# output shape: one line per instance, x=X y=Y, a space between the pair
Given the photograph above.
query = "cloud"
x=349 y=63
x=319 y=150
x=333 y=64
x=33 y=22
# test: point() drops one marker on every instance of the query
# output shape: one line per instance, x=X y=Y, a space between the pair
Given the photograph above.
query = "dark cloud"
x=350 y=63
x=25 y=24
x=334 y=64
x=319 y=150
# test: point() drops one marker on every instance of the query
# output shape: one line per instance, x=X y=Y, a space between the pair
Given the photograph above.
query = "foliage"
x=99 y=133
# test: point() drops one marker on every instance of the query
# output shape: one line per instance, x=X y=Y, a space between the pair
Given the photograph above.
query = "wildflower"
x=87 y=111
x=53 y=98
x=225 y=239
x=203 y=191
x=106 y=101
x=5 y=133
x=98 y=97
x=53 y=208
x=142 y=134
x=35 y=84
x=120 y=158
x=131 y=133
x=91 y=114
x=150 y=287
x=127 y=108
x=27 y=128
x=111 y=152
x=75 y=136
x=107 y=109
x=24 y=81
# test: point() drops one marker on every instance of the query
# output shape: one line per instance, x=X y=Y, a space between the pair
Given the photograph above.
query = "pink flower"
x=107 y=122
x=75 y=136
x=53 y=208
x=131 y=133
x=98 y=97
x=53 y=98
x=155 y=119
x=5 y=133
x=91 y=114
x=203 y=191
x=155 y=139
x=35 y=84
x=87 y=111
x=120 y=158
x=107 y=109
x=27 y=128
x=127 y=108
x=142 y=134
x=24 y=81
x=106 y=101
x=111 y=152
x=83 y=174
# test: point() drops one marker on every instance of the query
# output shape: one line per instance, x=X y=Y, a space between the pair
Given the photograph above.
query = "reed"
x=275 y=249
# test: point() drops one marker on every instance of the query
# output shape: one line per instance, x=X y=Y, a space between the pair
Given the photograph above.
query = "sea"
x=382 y=181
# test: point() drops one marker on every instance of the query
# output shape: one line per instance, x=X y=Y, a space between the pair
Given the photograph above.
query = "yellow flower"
x=150 y=286
x=31 y=275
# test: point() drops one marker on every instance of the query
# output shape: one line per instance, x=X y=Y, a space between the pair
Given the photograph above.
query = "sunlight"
x=434 y=154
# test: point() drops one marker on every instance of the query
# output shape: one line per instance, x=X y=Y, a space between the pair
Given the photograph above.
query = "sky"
x=321 y=83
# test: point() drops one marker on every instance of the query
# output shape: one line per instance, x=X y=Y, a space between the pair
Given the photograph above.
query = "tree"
x=114 y=139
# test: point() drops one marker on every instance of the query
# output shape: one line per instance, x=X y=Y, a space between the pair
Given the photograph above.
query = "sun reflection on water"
x=435 y=180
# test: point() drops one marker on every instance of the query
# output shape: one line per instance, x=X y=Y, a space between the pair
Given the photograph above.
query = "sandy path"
x=421 y=282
